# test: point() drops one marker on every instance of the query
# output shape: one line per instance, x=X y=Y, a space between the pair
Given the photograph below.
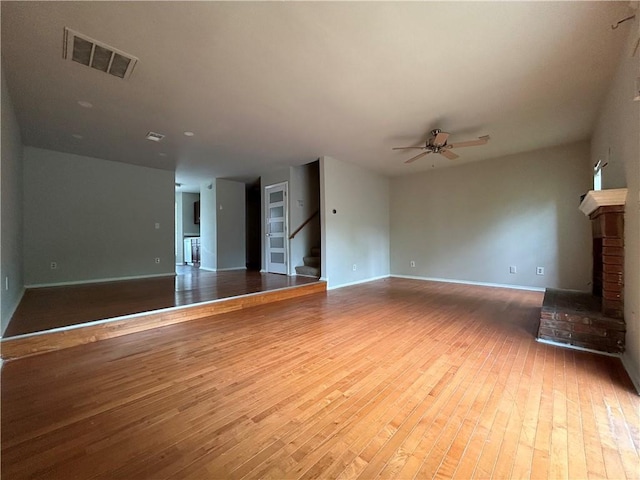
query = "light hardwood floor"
x=391 y=379
x=53 y=307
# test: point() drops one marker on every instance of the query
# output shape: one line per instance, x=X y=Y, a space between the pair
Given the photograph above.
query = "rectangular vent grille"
x=153 y=136
x=82 y=49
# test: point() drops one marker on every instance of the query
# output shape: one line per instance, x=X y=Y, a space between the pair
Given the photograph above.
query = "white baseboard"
x=13 y=310
x=230 y=269
x=208 y=269
x=98 y=280
x=575 y=347
x=465 y=282
x=633 y=373
x=301 y=275
x=357 y=282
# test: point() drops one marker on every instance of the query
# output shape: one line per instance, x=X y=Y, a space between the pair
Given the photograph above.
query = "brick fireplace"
x=593 y=320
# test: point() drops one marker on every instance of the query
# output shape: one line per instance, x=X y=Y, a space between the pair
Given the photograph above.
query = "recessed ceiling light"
x=189 y=134
x=162 y=154
x=77 y=135
x=85 y=104
x=154 y=137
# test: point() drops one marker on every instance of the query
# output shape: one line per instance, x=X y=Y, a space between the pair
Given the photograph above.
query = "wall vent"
x=155 y=137
x=82 y=49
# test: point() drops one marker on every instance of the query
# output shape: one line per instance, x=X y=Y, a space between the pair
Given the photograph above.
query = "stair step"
x=312 y=261
x=315 y=251
x=308 y=271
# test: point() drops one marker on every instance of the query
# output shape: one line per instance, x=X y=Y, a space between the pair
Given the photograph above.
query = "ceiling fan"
x=437 y=143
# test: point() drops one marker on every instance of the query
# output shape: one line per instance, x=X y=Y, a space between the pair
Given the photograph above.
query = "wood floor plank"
x=61 y=306
x=395 y=378
x=401 y=450
x=542 y=446
x=577 y=466
x=505 y=461
x=498 y=432
x=592 y=446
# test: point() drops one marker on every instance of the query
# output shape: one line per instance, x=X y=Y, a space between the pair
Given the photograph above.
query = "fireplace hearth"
x=594 y=320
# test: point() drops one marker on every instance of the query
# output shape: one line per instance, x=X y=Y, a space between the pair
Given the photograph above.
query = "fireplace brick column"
x=608 y=237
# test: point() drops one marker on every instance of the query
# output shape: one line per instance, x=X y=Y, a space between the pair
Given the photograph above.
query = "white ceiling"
x=278 y=83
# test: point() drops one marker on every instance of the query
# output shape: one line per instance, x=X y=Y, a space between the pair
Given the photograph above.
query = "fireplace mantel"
x=596 y=321
x=602 y=198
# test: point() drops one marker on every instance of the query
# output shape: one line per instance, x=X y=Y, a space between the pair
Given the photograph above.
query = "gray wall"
x=185 y=225
x=358 y=233
x=304 y=199
x=11 y=264
x=472 y=222
x=179 y=250
x=208 y=229
x=95 y=218
x=231 y=225
x=189 y=227
x=617 y=140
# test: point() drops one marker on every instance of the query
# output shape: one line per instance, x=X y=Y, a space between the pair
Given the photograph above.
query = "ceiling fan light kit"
x=437 y=143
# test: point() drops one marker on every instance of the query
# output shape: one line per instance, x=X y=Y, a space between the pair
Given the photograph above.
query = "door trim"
x=285 y=186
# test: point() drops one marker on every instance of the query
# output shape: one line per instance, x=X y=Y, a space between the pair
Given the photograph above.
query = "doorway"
x=276 y=245
x=253 y=228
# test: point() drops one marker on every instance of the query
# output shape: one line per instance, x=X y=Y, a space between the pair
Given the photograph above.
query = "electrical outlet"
x=355 y=267
x=413 y=264
x=539 y=270
x=54 y=265
x=157 y=259
x=513 y=269
x=157 y=226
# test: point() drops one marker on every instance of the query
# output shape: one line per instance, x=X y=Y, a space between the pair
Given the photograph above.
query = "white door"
x=276 y=228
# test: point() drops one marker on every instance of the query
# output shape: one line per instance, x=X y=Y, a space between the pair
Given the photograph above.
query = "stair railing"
x=303 y=224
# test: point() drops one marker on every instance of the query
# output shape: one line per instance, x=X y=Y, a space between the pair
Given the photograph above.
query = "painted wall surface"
x=189 y=227
x=358 y=233
x=617 y=140
x=95 y=218
x=472 y=222
x=231 y=225
x=179 y=230
x=11 y=185
x=185 y=221
x=208 y=229
x=304 y=200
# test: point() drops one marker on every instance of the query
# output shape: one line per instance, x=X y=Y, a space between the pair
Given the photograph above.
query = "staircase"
x=311 y=267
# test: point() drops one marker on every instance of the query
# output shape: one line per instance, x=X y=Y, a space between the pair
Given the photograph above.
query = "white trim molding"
x=99 y=280
x=466 y=282
x=357 y=282
x=13 y=310
x=575 y=347
x=633 y=373
x=230 y=268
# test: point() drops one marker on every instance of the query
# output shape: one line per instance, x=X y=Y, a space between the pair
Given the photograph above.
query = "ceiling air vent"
x=155 y=137
x=82 y=49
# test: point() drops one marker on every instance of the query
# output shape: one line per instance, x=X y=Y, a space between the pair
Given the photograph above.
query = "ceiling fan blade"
x=440 y=138
x=407 y=148
x=449 y=154
x=471 y=143
x=420 y=155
